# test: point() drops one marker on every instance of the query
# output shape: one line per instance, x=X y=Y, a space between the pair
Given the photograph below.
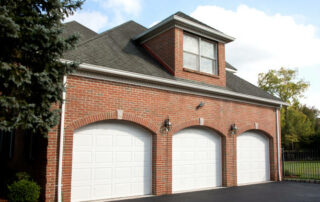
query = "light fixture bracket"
x=234 y=129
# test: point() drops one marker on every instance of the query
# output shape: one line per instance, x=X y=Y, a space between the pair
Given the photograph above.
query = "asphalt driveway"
x=275 y=192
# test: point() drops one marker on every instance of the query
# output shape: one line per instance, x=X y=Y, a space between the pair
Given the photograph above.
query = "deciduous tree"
x=284 y=84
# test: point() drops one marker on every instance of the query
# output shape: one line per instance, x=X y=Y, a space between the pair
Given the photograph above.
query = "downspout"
x=61 y=140
x=278 y=143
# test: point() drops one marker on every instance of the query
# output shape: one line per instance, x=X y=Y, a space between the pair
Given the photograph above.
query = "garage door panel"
x=141 y=156
x=82 y=157
x=103 y=141
x=196 y=159
x=138 y=187
x=81 y=174
x=103 y=157
x=84 y=139
x=81 y=192
x=111 y=159
x=123 y=156
x=102 y=173
x=121 y=189
x=123 y=140
x=252 y=158
x=100 y=190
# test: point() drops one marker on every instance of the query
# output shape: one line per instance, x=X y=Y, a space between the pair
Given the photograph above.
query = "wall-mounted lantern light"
x=200 y=105
x=233 y=129
x=167 y=124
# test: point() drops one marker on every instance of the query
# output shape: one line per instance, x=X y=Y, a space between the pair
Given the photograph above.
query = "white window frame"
x=199 y=55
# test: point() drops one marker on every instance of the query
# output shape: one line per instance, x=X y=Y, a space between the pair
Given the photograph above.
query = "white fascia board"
x=231 y=70
x=174 y=83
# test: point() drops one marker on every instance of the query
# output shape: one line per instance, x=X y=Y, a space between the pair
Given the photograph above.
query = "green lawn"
x=302 y=169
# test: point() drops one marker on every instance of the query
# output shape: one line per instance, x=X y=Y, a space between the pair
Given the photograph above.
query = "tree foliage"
x=30 y=71
x=283 y=84
x=313 y=115
x=299 y=123
x=299 y=128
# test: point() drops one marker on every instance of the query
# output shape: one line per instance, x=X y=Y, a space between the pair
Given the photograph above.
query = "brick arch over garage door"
x=105 y=116
x=272 y=149
x=112 y=116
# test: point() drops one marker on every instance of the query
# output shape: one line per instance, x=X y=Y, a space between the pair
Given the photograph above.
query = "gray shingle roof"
x=228 y=65
x=240 y=85
x=116 y=49
x=74 y=27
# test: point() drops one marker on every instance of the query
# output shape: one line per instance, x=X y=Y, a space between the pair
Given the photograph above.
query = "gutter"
x=61 y=141
x=278 y=143
x=173 y=83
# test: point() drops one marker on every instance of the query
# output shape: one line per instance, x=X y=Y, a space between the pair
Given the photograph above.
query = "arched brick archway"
x=112 y=116
x=215 y=125
x=104 y=116
x=272 y=149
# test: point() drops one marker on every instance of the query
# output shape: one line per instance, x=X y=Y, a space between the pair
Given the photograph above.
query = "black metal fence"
x=301 y=164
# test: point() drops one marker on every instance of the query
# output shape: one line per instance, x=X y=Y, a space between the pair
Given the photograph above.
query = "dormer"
x=188 y=48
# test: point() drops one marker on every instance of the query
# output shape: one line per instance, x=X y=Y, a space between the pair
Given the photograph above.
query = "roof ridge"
x=184 y=21
x=74 y=21
x=184 y=15
x=107 y=31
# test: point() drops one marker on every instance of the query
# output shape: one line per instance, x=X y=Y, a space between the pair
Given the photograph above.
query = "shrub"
x=23 y=190
x=23 y=176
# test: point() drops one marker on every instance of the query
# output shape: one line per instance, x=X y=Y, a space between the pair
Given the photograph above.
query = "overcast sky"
x=269 y=34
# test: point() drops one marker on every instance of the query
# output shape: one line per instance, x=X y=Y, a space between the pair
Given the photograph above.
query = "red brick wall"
x=162 y=48
x=90 y=100
x=167 y=48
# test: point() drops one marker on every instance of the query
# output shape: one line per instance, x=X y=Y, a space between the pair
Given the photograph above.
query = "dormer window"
x=200 y=54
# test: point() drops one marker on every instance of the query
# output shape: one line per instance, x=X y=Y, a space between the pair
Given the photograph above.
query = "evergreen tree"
x=30 y=70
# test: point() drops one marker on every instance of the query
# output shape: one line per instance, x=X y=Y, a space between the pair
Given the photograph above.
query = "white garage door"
x=196 y=159
x=252 y=158
x=111 y=159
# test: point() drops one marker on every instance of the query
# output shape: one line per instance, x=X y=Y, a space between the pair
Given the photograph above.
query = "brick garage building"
x=158 y=111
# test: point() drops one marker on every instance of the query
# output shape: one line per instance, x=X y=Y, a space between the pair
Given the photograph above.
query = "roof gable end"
x=187 y=23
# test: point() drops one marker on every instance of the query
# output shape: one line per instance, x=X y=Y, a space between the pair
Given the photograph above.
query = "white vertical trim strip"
x=61 y=141
x=199 y=57
x=278 y=144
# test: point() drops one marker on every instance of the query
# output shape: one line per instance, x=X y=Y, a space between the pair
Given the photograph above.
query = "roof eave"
x=185 y=24
x=179 y=84
x=231 y=70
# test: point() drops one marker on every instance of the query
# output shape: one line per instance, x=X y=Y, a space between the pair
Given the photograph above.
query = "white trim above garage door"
x=196 y=159
x=253 y=161
x=111 y=159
